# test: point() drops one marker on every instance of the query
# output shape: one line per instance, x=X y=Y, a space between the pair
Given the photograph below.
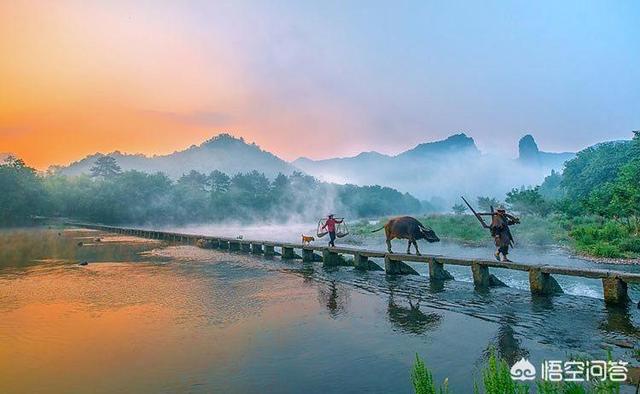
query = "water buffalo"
x=406 y=227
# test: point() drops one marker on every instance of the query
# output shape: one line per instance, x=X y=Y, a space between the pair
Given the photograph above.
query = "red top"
x=330 y=224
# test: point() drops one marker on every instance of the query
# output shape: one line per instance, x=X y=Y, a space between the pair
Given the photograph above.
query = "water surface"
x=148 y=316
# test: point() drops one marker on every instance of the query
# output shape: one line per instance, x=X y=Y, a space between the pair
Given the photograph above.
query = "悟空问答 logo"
x=523 y=370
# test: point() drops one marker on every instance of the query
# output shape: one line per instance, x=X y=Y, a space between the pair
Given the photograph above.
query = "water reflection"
x=411 y=319
x=506 y=343
x=618 y=319
x=334 y=296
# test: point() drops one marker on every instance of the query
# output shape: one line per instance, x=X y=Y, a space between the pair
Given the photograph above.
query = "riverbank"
x=588 y=237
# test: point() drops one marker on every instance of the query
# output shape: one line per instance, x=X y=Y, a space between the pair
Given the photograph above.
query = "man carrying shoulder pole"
x=330 y=225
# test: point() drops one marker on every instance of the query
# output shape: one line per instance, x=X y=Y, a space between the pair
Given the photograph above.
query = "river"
x=147 y=316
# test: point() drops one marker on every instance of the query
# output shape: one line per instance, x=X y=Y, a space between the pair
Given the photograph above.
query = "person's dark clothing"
x=332 y=238
x=500 y=231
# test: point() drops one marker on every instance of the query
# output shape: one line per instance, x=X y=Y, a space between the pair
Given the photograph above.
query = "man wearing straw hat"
x=500 y=222
x=330 y=225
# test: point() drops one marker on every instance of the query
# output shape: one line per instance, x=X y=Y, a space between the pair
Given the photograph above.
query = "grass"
x=606 y=239
x=496 y=379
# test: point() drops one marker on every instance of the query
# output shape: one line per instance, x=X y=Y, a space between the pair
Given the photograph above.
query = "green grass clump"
x=422 y=380
x=496 y=379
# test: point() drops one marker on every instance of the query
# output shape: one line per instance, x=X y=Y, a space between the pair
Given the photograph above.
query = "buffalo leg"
x=389 y=245
x=409 y=247
x=416 y=246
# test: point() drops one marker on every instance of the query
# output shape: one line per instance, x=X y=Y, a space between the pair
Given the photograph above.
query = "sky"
x=316 y=79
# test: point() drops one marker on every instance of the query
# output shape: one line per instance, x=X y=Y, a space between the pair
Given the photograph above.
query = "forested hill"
x=223 y=153
x=112 y=196
x=598 y=193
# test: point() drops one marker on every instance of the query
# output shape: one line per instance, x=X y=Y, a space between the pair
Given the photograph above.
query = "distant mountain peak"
x=223 y=139
x=529 y=153
x=528 y=148
x=456 y=143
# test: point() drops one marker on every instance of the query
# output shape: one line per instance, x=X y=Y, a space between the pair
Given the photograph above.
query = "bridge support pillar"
x=480 y=275
x=269 y=250
x=360 y=262
x=615 y=291
x=541 y=283
x=256 y=248
x=330 y=259
x=308 y=255
x=395 y=267
x=437 y=271
x=246 y=247
x=287 y=253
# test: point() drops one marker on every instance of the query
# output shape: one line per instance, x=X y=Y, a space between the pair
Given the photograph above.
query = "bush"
x=630 y=245
x=605 y=250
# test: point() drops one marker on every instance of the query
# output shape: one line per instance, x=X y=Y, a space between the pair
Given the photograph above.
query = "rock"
x=80 y=243
x=97 y=240
x=83 y=263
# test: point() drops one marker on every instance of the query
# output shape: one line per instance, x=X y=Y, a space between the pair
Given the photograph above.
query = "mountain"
x=441 y=170
x=456 y=144
x=529 y=154
x=224 y=153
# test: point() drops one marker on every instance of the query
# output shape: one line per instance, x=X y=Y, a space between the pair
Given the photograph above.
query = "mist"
x=442 y=179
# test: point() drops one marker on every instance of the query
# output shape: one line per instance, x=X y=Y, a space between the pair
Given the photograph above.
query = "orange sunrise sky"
x=78 y=77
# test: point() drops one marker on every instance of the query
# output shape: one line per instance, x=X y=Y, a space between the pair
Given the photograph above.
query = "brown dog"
x=307 y=240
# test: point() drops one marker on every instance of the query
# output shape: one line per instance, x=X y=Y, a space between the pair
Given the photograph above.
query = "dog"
x=307 y=240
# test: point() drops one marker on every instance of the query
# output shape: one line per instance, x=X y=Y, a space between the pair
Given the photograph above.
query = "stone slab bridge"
x=541 y=281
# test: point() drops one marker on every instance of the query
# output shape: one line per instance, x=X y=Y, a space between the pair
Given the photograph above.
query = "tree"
x=551 y=188
x=220 y=182
x=195 y=180
x=485 y=203
x=23 y=194
x=459 y=209
x=528 y=201
x=625 y=196
x=105 y=167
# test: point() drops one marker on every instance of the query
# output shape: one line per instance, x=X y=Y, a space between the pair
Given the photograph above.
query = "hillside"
x=224 y=153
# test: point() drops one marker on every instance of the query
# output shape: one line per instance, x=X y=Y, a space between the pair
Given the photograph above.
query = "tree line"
x=109 y=195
